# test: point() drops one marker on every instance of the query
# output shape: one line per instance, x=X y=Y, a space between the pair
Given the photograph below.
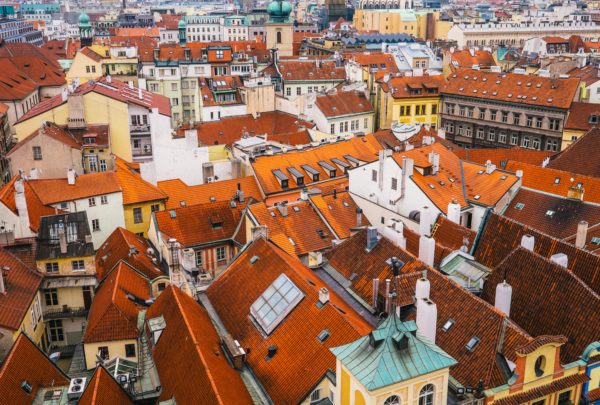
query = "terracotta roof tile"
x=223 y=190
x=190 y=345
x=137 y=32
x=588 y=74
x=210 y=85
x=542 y=91
x=339 y=211
x=501 y=156
x=103 y=389
x=451 y=234
x=244 y=282
x=465 y=59
x=383 y=62
x=593 y=395
x=135 y=189
x=309 y=70
x=583 y=116
x=113 y=315
x=52 y=191
x=582 y=156
x=21 y=284
x=118 y=247
x=87 y=51
x=53 y=131
x=202 y=223
x=406 y=86
x=26 y=362
x=544 y=390
x=343 y=103
x=556 y=216
x=35 y=206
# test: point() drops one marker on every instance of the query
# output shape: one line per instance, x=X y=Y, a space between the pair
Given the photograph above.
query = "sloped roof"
x=582 y=156
x=465 y=59
x=202 y=223
x=339 y=211
x=223 y=190
x=542 y=311
x=52 y=191
x=26 y=362
x=21 y=284
x=244 y=282
x=580 y=116
x=35 y=207
x=377 y=362
x=103 y=389
x=51 y=130
x=190 y=346
x=135 y=189
x=501 y=156
x=400 y=86
x=451 y=234
x=383 y=62
x=113 y=315
x=117 y=247
x=310 y=70
x=342 y=103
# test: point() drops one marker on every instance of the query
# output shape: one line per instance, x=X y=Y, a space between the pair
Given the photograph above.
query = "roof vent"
x=271 y=351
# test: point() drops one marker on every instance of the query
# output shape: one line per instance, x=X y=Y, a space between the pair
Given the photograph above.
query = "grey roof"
x=76 y=228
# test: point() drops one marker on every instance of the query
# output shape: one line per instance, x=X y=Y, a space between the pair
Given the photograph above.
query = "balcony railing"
x=140 y=128
x=65 y=312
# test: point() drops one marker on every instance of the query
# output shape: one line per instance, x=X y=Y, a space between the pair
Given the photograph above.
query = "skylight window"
x=472 y=344
x=296 y=208
x=550 y=213
x=596 y=240
x=520 y=206
x=476 y=196
x=480 y=172
x=323 y=336
x=278 y=300
x=449 y=323
x=503 y=178
x=557 y=180
x=346 y=204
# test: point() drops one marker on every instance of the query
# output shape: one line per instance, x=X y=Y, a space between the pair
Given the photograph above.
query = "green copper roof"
x=392 y=353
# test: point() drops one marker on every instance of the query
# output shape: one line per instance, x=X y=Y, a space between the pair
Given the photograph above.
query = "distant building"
x=19 y=31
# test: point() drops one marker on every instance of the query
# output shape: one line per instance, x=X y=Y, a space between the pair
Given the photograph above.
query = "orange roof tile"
x=581 y=116
x=244 y=282
x=501 y=156
x=210 y=85
x=202 y=223
x=135 y=189
x=26 y=362
x=413 y=86
x=555 y=181
x=21 y=284
x=190 y=345
x=581 y=157
x=382 y=62
x=104 y=389
x=118 y=247
x=540 y=91
x=465 y=59
x=588 y=74
x=363 y=148
x=303 y=70
x=451 y=234
x=223 y=190
x=343 y=103
x=53 y=131
x=113 y=315
x=138 y=32
x=35 y=206
x=52 y=191
x=339 y=211
x=87 y=51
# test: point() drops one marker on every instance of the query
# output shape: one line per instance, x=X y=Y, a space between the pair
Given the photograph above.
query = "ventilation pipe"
x=62 y=238
x=503 y=297
x=581 y=237
x=453 y=212
x=71 y=176
x=528 y=241
x=375 y=291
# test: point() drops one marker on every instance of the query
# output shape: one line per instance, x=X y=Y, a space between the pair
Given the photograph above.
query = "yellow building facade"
x=138 y=215
x=421 y=24
x=86 y=66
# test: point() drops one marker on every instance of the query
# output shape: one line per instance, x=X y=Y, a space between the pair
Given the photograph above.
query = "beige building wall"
x=286 y=34
x=115 y=348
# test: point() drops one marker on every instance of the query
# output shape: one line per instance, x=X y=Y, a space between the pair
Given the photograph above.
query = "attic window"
x=291 y=241
x=272 y=214
x=312 y=172
x=596 y=240
x=182 y=203
x=345 y=203
x=172 y=213
x=550 y=213
x=322 y=337
x=281 y=178
x=431 y=186
x=449 y=323
x=519 y=206
x=472 y=344
x=593 y=119
x=322 y=234
x=275 y=303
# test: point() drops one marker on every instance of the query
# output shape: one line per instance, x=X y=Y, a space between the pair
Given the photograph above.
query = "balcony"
x=140 y=128
x=65 y=312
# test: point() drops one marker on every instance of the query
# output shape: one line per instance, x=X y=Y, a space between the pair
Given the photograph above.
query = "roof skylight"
x=278 y=300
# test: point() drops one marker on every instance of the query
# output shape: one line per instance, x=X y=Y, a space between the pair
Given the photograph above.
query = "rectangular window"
x=514 y=139
x=52 y=267
x=480 y=133
x=470 y=112
x=199 y=258
x=529 y=122
x=92 y=201
x=481 y=114
x=130 y=350
x=525 y=142
x=394 y=184
x=103 y=165
x=95 y=225
x=504 y=117
x=55 y=327
x=87 y=69
x=538 y=122
x=434 y=108
x=93 y=69
x=374 y=175
x=536 y=143
x=51 y=296
x=492 y=135
x=173 y=86
x=78 y=265
x=332 y=129
x=137 y=215
x=298 y=91
x=564 y=398
x=462 y=111
x=493 y=115
x=366 y=124
x=174 y=101
x=103 y=352
x=221 y=253
x=502 y=137
x=103 y=199
x=154 y=207
x=37 y=153
x=288 y=91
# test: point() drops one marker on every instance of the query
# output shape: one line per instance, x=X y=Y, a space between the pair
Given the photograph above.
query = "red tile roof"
x=52 y=191
x=342 y=103
x=137 y=32
x=210 y=85
x=53 y=131
x=21 y=284
x=202 y=223
x=114 y=89
x=401 y=87
x=588 y=74
x=113 y=315
x=338 y=211
x=466 y=58
x=244 y=282
x=501 y=156
x=87 y=51
x=223 y=190
x=309 y=70
x=190 y=345
x=117 y=248
x=555 y=386
x=104 y=389
x=506 y=87
x=26 y=362
x=451 y=235
x=581 y=157
x=278 y=126
x=135 y=189
x=35 y=206
x=383 y=62
x=580 y=116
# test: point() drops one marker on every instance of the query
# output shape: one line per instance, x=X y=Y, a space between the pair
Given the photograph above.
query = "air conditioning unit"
x=210 y=179
x=76 y=388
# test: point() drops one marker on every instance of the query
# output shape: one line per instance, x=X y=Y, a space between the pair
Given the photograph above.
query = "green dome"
x=279 y=10
x=84 y=19
x=182 y=23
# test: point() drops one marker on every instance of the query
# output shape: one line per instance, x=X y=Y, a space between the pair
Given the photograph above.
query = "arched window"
x=278 y=37
x=392 y=400
x=426 y=396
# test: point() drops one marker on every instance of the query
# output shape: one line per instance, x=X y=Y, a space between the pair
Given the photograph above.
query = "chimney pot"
x=427 y=250
x=323 y=295
x=371 y=238
x=427 y=318
x=283 y=209
x=561 y=259
x=528 y=242
x=503 y=297
x=581 y=237
x=71 y=175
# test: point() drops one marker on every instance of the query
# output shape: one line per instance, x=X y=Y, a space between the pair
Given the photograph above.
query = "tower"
x=280 y=30
x=181 y=27
x=86 y=35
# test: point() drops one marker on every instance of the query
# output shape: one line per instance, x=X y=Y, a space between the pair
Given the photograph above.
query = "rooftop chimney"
x=434 y=159
x=489 y=167
x=528 y=241
x=454 y=212
x=108 y=79
x=395 y=233
x=283 y=209
x=427 y=318
x=575 y=193
x=21 y=205
x=323 y=295
x=423 y=287
x=71 y=175
x=426 y=221
x=519 y=174
x=561 y=259
x=140 y=94
x=2 y=286
x=375 y=291
x=581 y=237
x=503 y=297
x=426 y=250
x=359 y=217
x=371 y=238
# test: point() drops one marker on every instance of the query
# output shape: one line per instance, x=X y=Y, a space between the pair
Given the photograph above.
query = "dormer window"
x=297 y=175
x=281 y=178
x=593 y=119
x=331 y=171
x=312 y=172
x=341 y=164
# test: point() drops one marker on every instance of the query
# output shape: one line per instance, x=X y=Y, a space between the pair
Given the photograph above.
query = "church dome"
x=84 y=19
x=279 y=10
x=182 y=24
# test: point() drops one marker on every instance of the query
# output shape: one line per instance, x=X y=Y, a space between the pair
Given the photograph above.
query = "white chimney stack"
x=434 y=159
x=323 y=295
x=283 y=209
x=528 y=242
x=519 y=174
x=454 y=212
x=581 y=237
x=426 y=221
x=395 y=233
x=426 y=250
x=423 y=287
x=489 y=167
x=71 y=177
x=427 y=318
x=359 y=213
x=561 y=259
x=503 y=297
x=140 y=94
x=21 y=205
